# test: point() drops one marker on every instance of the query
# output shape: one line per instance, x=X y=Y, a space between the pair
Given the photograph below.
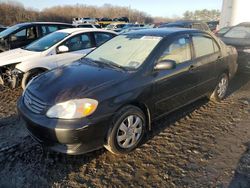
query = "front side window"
x=128 y=51
x=240 y=32
x=178 y=51
x=100 y=38
x=78 y=42
x=21 y=33
x=203 y=46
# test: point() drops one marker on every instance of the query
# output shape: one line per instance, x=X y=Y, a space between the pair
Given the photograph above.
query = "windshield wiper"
x=111 y=64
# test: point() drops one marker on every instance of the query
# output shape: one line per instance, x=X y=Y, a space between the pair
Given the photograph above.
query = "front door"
x=79 y=46
x=176 y=87
x=23 y=37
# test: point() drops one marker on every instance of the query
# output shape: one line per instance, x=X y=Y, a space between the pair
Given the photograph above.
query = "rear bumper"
x=65 y=136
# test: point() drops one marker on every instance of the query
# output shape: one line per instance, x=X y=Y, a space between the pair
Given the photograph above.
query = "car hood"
x=238 y=43
x=74 y=81
x=17 y=56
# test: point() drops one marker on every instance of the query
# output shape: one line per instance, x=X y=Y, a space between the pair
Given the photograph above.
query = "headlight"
x=73 y=109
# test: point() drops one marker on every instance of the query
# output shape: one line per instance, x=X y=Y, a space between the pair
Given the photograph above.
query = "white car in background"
x=20 y=65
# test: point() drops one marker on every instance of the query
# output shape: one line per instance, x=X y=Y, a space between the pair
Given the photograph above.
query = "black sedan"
x=111 y=97
x=239 y=37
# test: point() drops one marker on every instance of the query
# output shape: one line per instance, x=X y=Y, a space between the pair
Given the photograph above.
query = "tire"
x=220 y=90
x=28 y=76
x=122 y=139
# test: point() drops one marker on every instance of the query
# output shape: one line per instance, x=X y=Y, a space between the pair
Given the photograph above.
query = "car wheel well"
x=145 y=110
x=29 y=74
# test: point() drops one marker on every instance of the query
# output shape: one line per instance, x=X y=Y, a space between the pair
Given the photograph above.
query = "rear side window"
x=100 y=38
x=204 y=46
x=179 y=51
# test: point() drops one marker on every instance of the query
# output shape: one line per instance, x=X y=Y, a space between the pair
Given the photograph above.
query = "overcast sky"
x=164 y=8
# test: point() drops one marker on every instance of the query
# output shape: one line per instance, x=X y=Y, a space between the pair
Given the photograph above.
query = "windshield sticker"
x=151 y=38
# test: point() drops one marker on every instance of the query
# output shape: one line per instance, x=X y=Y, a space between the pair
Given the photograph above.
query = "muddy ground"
x=205 y=144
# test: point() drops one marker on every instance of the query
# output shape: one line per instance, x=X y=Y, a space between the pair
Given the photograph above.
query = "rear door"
x=175 y=88
x=206 y=55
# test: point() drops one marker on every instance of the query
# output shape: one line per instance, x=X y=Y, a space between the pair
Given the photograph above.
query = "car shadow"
x=241 y=178
x=239 y=80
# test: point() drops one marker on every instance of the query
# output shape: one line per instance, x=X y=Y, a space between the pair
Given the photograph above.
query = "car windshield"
x=126 y=51
x=46 y=42
x=9 y=30
x=240 y=32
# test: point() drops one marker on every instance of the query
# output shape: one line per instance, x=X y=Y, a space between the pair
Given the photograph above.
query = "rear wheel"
x=129 y=128
x=221 y=89
x=28 y=76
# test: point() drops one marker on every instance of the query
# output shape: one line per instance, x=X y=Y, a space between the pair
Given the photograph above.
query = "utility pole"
x=234 y=12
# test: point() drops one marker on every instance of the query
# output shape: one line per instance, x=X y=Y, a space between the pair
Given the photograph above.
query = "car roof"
x=40 y=23
x=162 y=32
x=82 y=30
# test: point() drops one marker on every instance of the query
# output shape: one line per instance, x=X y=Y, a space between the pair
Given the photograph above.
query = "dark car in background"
x=239 y=37
x=22 y=34
x=2 y=28
x=222 y=31
x=193 y=24
x=213 y=25
x=111 y=97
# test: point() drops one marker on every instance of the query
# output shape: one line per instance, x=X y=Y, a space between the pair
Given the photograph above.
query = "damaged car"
x=19 y=66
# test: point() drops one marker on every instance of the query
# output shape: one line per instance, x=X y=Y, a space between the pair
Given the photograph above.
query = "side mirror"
x=62 y=49
x=165 y=65
x=13 y=38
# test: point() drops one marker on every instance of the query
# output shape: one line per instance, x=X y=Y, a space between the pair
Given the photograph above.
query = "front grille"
x=33 y=103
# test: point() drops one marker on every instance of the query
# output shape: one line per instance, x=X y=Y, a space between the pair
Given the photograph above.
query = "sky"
x=163 y=8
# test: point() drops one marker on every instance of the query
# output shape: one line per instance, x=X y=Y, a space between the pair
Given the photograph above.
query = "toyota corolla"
x=111 y=97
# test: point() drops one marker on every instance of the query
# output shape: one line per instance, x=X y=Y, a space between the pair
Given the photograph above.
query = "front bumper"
x=65 y=136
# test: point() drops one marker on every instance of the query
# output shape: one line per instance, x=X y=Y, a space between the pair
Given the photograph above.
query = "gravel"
x=204 y=144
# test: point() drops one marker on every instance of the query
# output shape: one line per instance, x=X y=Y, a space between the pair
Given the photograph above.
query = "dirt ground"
x=205 y=144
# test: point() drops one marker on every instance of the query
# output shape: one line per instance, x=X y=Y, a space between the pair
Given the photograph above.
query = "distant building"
x=234 y=12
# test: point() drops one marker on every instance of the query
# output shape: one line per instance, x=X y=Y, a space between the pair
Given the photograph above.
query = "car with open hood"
x=19 y=66
x=111 y=96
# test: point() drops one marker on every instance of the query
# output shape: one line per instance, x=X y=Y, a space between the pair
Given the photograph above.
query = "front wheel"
x=221 y=88
x=129 y=128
